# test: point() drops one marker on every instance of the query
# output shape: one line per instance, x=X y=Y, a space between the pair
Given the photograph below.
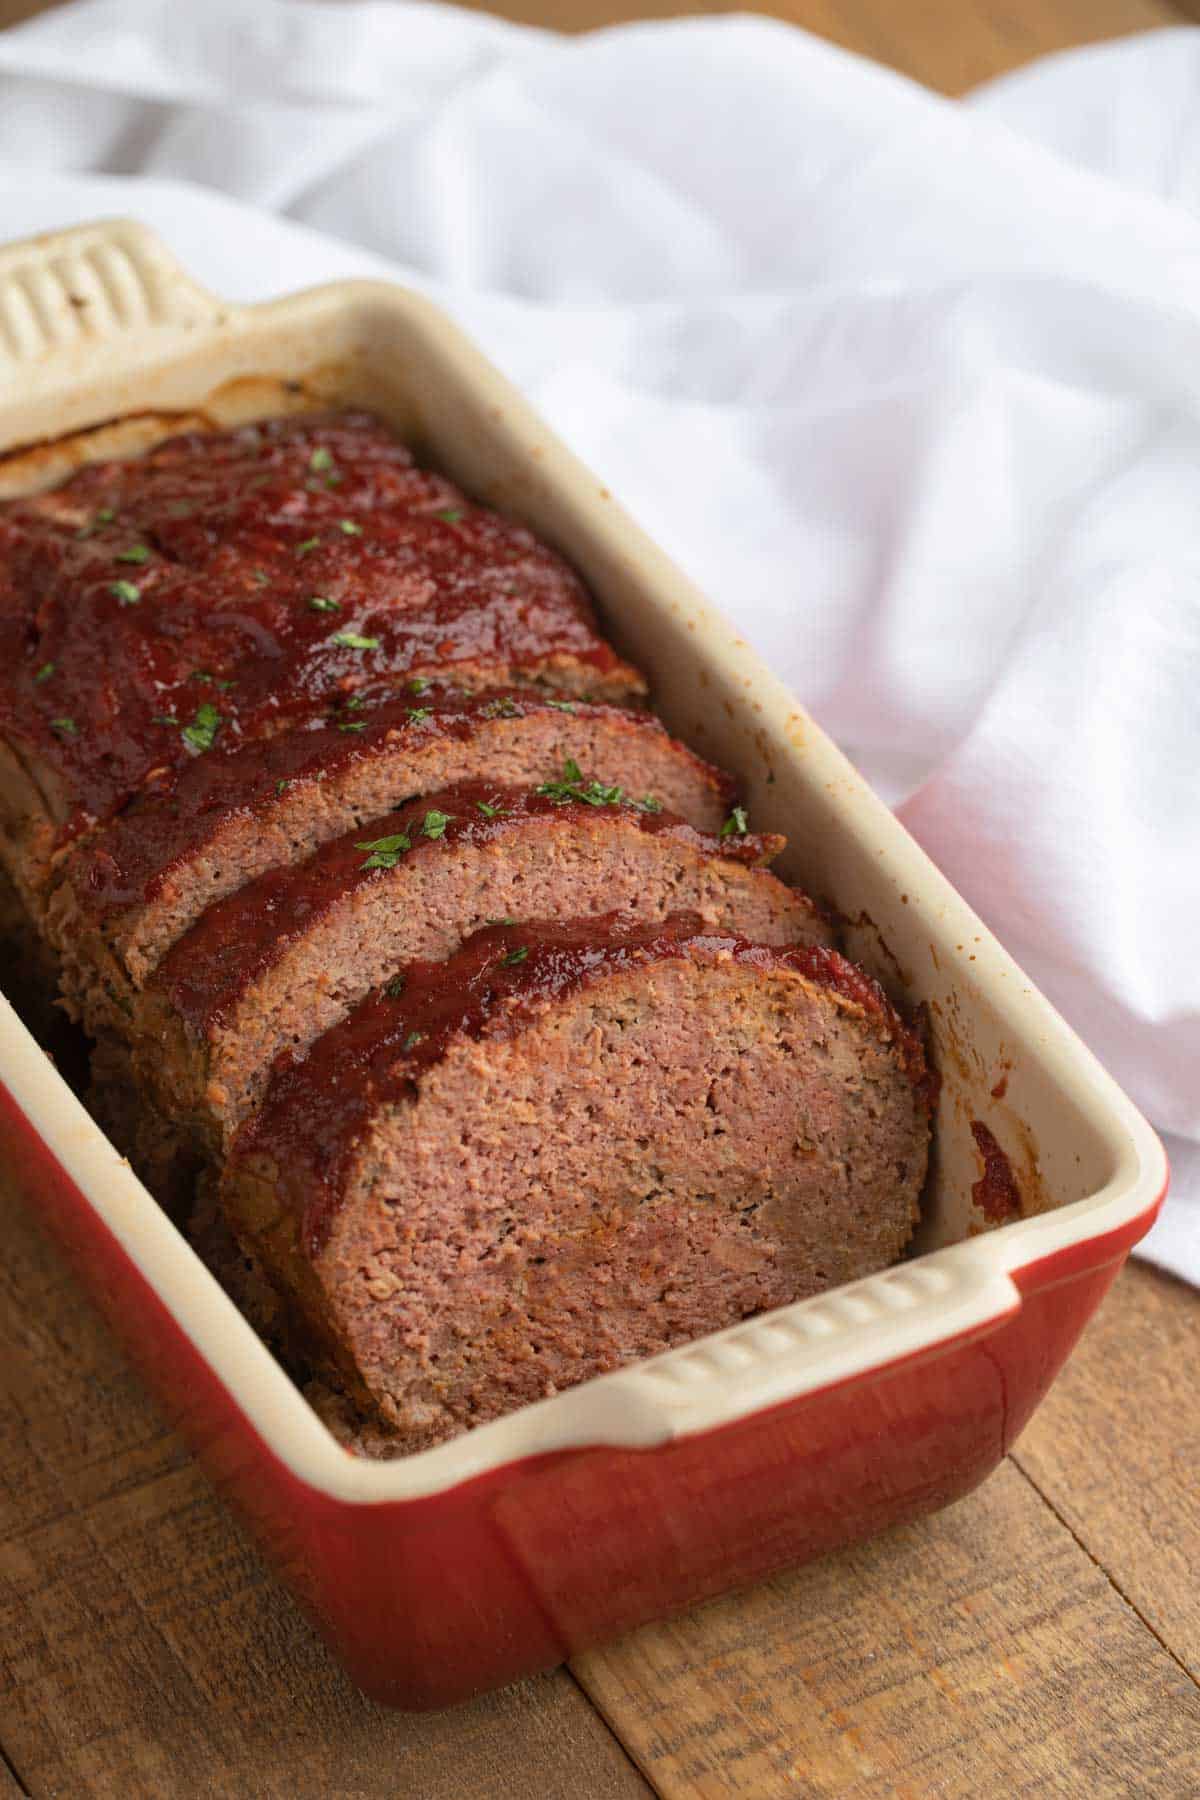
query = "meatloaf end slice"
x=221 y=588
x=282 y=960
x=123 y=897
x=576 y=1145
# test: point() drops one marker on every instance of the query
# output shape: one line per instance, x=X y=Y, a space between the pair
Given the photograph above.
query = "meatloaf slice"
x=124 y=896
x=575 y=1145
x=283 y=959
x=225 y=585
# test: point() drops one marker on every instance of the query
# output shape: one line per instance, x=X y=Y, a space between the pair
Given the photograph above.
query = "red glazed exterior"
x=429 y=1601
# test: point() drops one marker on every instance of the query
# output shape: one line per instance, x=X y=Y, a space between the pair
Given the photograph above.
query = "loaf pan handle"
x=111 y=289
x=921 y=1307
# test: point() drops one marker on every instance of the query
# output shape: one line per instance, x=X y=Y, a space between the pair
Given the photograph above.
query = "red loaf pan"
x=682 y=1477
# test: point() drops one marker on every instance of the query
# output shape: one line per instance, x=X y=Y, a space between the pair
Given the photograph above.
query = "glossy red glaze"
x=996 y=1193
x=320 y=1105
x=429 y=1601
x=237 y=939
x=155 y=607
x=136 y=856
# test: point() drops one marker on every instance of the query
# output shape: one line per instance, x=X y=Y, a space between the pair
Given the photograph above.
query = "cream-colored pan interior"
x=105 y=345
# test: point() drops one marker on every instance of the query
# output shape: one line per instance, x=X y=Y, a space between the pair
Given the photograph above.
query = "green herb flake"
x=649 y=804
x=65 y=727
x=412 y=1040
x=202 y=731
x=395 y=987
x=354 y=704
x=489 y=812
x=352 y=725
x=435 y=823
x=312 y=543
x=561 y=706
x=282 y=786
x=737 y=824
x=500 y=709
x=419 y=714
x=500 y=921
x=259 y=577
x=385 y=852
x=321 y=460
x=418 y=684
x=351 y=640
x=136 y=553
x=514 y=957
x=321 y=603
x=349 y=528
x=573 y=787
x=127 y=592
x=449 y=515
x=45 y=672
x=105 y=516
x=165 y=719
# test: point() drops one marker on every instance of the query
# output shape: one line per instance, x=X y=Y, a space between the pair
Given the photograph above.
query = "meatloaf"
x=224 y=586
x=122 y=897
x=573 y=1145
x=279 y=962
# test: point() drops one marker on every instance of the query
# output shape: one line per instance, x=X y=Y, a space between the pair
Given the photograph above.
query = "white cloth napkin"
x=912 y=388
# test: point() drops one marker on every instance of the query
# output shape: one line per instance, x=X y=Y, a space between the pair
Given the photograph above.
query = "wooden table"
x=1041 y=1637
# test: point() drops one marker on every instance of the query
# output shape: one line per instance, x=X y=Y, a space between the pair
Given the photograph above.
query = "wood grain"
x=144 y=1650
x=1115 y=1449
x=978 y=1653
x=946 y=44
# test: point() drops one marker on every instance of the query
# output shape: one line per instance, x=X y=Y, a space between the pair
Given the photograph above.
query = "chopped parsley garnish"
x=206 y=675
x=202 y=731
x=648 y=803
x=127 y=592
x=395 y=987
x=105 y=516
x=737 y=824
x=501 y=921
x=319 y=603
x=351 y=640
x=418 y=714
x=435 y=823
x=574 y=787
x=312 y=543
x=282 y=786
x=489 y=812
x=350 y=528
x=418 y=684
x=320 y=460
x=354 y=704
x=352 y=725
x=561 y=705
x=514 y=957
x=65 y=727
x=413 y=1039
x=45 y=672
x=165 y=719
x=500 y=709
x=136 y=553
x=385 y=852
x=449 y=515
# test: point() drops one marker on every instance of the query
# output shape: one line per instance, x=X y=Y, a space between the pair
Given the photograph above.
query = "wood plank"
x=980 y=1652
x=946 y=44
x=1115 y=1448
x=144 y=1649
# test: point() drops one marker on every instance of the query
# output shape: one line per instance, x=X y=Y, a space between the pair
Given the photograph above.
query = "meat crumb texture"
x=447 y=1001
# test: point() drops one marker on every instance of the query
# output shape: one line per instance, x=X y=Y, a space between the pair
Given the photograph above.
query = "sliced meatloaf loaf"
x=224 y=586
x=126 y=894
x=572 y=1146
x=283 y=959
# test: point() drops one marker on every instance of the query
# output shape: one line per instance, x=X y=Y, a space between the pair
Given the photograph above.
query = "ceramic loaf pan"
x=663 y=1484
